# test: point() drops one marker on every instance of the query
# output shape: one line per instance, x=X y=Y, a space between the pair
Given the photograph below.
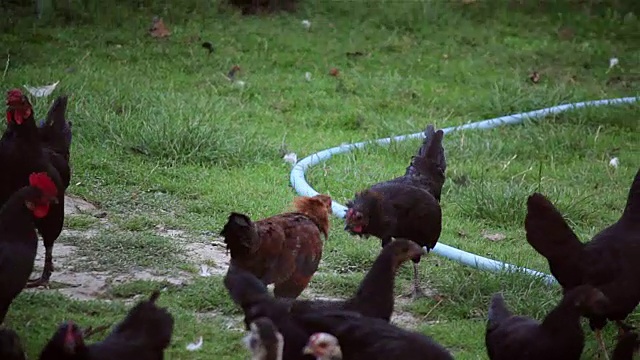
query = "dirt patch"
x=76 y=205
x=203 y=250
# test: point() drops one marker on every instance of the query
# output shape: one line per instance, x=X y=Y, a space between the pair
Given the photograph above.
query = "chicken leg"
x=417 y=290
x=46 y=272
x=600 y=341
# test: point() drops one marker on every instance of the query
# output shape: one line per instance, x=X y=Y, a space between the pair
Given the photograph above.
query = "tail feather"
x=55 y=130
x=148 y=324
x=240 y=235
x=429 y=164
x=632 y=208
x=547 y=231
x=498 y=311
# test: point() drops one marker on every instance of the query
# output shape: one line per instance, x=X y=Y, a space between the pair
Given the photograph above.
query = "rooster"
x=407 y=206
x=25 y=148
x=609 y=261
x=143 y=335
x=283 y=249
x=18 y=238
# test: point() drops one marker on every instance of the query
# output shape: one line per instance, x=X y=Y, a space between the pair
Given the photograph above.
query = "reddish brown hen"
x=283 y=249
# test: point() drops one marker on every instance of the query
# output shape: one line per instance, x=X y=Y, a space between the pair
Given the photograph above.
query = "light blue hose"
x=303 y=188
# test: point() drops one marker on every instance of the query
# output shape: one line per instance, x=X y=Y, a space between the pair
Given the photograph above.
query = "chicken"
x=608 y=261
x=374 y=297
x=627 y=346
x=283 y=249
x=362 y=337
x=11 y=346
x=252 y=296
x=558 y=336
x=25 y=149
x=264 y=341
x=18 y=238
x=407 y=206
x=143 y=335
x=323 y=346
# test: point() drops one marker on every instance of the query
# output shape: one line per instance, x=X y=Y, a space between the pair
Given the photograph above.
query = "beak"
x=307 y=350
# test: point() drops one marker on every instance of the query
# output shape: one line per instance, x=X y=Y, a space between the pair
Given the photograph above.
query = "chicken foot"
x=601 y=344
x=46 y=272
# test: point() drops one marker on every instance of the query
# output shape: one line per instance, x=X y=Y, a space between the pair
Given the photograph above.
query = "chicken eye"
x=323 y=345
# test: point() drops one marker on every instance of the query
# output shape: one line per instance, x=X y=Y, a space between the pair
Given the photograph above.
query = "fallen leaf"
x=493 y=236
x=334 y=72
x=307 y=76
x=462 y=233
x=158 y=29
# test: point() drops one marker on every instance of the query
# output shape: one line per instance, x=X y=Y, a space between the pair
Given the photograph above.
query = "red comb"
x=14 y=96
x=43 y=182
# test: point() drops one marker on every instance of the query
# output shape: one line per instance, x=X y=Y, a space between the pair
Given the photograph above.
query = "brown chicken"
x=283 y=249
x=609 y=261
x=558 y=337
x=405 y=207
x=374 y=297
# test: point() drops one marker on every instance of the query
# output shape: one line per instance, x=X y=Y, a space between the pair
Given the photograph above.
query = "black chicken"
x=626 y=347
x=374 y=297
x=365 y=338
x=559 y=336
x=252 y=296
x=11 y=346
x=609 y=261
x=143 y=335
x=407 y=206
x=18 y=238
x=25 y=148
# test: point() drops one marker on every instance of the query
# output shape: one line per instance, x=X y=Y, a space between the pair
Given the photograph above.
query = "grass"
x=163 y=141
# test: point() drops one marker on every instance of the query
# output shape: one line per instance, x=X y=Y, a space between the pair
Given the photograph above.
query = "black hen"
x=559 y=336
x=25 y=149
x=609 y=261
x=368 y=338
x=627 y=346
x=374 y=297
x=143 y=335
x=18 y=238
x=248 y=292
x=407 y=206
x=11 y=346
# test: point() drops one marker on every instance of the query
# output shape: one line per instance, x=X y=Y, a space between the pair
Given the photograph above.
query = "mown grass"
x=161 y=138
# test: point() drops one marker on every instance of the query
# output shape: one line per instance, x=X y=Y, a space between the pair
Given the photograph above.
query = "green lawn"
x=166 y=146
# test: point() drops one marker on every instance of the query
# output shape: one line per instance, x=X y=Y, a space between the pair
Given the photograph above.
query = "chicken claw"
x=46 y=272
